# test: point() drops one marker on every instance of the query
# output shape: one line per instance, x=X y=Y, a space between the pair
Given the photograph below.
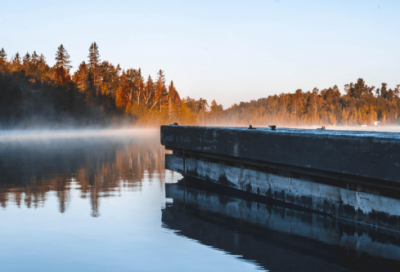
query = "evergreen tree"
x=384 y=90
x=62 y=59
x=26 y=59
x=202 y=109
x=148 y=91
x=94 y=56
x=26 y=63
x=3 y=56
x=16 y=62
x=172 y=91
x=174 y=103
x=42 y=68
x=360 y=88
x=34 y=60
x=110 y=75
x=215 y=112
x=93 y=68
x=80 y=77
x=62 y=66
x=35 y=56
x=160 y=90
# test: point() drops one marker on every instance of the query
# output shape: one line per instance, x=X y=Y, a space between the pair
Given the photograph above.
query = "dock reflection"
x=276 y=236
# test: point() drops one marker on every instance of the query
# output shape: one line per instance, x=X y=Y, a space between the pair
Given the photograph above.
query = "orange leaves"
x=121 y=98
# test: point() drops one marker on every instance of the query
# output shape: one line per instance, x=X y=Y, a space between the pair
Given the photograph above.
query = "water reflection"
x=278 y=238
x=87 y=171
x=97 y=167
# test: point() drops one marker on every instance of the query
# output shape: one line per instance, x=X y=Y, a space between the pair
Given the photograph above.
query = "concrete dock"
x=352 y=175
x=373 y=155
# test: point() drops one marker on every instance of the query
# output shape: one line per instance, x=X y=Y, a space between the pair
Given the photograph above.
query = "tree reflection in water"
x=97 y=167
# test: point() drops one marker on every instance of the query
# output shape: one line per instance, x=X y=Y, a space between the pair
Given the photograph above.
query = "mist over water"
x=142 y=132
x=98 y=161
x=92 y=201
x=101 y=200
x=43 y=134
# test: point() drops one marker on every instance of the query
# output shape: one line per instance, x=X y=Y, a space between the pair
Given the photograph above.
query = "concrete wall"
x=359 y=206
x=317 y=227
x=363 y=154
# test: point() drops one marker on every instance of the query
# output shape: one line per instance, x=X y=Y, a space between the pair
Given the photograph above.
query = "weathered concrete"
x=351 y=204
x=327 y=230
x=272 y=235
x=354 y=175
x=371 y=155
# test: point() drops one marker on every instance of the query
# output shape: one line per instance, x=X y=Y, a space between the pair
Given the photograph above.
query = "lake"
x=103 y=201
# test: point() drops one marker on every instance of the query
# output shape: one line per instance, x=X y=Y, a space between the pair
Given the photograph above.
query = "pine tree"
x=174 y=103
x=16 y=62
x=42 y=68
x=148 y=91
x=26 y=62
x=202 y=108
x=110 y=75
x=3 y=56
x=215 y=111
x=160 y=90
x=94 y=56
x=62 y=66
x=62 y=59
x=26 y=59
x=34 y=59
x=384 y=90
x=80 y=77
x=93 y=67
x=359 y=89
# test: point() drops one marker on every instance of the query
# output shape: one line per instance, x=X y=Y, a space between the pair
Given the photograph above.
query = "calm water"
x=102 y=201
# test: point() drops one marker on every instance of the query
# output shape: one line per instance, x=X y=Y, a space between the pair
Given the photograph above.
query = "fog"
x=150 y=133
x=37 y=134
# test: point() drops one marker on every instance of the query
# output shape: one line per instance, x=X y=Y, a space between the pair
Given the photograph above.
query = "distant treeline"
x=32 y=93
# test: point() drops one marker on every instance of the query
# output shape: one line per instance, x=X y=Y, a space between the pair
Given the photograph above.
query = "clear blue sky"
x=228 y=50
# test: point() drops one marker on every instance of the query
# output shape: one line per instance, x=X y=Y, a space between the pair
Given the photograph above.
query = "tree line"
x=361 y=104
x=98 y=93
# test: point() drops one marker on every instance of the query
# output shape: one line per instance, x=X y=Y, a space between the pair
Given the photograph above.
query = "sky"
x=231 y=51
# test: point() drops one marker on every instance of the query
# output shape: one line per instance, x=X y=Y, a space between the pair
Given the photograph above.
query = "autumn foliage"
x=99 y=93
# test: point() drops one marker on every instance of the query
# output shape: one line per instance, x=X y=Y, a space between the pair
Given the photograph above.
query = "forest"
x=99 y=93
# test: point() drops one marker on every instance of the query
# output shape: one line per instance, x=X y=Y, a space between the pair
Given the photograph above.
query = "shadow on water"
x=97 y=166
x=276 y=236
